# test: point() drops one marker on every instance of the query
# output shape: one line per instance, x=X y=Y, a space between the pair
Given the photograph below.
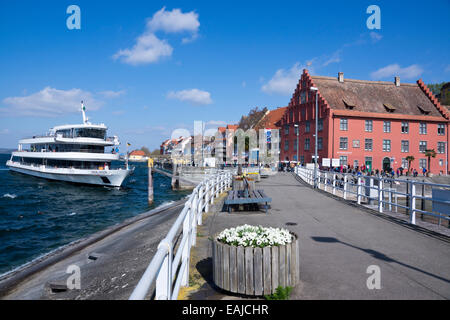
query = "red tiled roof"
x=137 y=153
x=270 y=119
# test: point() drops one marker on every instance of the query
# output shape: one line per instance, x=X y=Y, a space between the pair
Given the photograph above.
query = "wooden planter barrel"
x=255 y=271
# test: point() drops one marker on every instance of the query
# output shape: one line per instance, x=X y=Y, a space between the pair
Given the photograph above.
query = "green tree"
x=146 y=151
x=435 y=87
x=430 y=153
x=410 y=159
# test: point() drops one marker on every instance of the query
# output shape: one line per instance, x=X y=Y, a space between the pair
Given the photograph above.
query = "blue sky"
x=147 y=67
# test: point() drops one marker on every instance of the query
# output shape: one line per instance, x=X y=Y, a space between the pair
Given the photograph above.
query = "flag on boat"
x=128 y=144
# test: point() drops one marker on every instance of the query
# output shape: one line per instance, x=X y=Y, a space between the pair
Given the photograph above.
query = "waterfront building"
x=373 y=123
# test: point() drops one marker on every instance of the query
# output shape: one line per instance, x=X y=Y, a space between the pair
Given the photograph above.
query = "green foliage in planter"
x=281 y=293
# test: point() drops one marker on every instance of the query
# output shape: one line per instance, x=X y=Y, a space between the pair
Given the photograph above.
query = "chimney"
x=341 y=77
x=397 y=81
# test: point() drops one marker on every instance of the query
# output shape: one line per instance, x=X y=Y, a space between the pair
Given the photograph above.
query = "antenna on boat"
x=83 y=109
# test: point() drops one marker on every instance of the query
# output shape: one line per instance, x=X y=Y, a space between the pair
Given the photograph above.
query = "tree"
x=252 y=118
x=410 y=159
x=146 y=151
x=430 y=153
x=156 y=152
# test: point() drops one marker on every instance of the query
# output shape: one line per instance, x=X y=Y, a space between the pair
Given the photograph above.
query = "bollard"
x=150 y=181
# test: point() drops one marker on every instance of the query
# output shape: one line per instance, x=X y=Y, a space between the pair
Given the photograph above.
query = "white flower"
x=255 y=236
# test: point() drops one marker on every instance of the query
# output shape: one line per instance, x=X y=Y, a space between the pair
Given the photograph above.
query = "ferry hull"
x=111 y=178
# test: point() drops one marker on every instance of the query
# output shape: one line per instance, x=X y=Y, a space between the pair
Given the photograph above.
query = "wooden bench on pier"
x=238 y=197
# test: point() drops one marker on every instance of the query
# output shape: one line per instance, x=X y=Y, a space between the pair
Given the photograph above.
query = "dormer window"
x=348 y=104
x=423 y=110
x=389 y=107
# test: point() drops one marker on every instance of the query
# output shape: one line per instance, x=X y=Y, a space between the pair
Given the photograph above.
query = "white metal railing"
x=169 y=267
x=386 y=193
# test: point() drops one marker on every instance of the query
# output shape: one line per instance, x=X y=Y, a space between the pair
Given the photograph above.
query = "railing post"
x=359 y=191
x=187 y=231
x=345 y=186
x=334 y=183
x=192 y=219
x=380 y=195
x=199 y=215
x=163 y=290
x=390 y=199
x=326 y=181
x=412 y=202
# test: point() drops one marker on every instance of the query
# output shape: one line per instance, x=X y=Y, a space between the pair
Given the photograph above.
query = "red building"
x=375 y=123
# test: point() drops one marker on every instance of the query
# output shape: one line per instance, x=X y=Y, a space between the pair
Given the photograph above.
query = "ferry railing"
x=386 y=193
x=169 y=267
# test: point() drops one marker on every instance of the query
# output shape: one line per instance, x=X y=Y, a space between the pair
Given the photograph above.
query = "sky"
x=146 y=68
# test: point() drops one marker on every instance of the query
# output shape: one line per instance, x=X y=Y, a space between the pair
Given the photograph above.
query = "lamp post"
x=297 y=133
x=316 y=115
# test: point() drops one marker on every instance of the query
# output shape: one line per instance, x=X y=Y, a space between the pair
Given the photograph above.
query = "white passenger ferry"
x=72 y=153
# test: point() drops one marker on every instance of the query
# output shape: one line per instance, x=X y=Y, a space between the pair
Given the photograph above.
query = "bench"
x=237 y=197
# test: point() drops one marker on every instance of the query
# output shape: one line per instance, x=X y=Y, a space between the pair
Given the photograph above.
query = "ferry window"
x=90 y=133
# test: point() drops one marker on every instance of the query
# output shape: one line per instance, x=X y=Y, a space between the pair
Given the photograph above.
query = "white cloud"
x=411 y=72
x=284 y=81
x=375 y=36
x=174 y=21
x=148 y=49
x=193 y=96
x=50 y=102
x=334 y=58
x=112 y=94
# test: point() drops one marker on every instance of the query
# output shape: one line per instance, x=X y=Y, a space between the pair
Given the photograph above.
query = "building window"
x=422 y=146
x=441 y=147
x=368 y=145
x=286 y=129
x=307 y=144
x=404 y=163
x=302 y=159
x=303 y=97
x=423 y=163
x=386 y=126
x=295 y=144
x=423 y=128
x=343 y=143
x=286 y=145
x=343 y=160
x=386 y=145
x=344 y=124
x=355 y=163
x=307 y=126
x=355 y=143
x=320 y=125
x=369 y=125
x=405 y=127
x=441 y=162
x=295 y=157
x=441 y=129
x=320 y=143
x=405 y=146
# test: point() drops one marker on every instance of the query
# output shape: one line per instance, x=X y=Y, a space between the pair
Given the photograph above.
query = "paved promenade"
x=338 y=242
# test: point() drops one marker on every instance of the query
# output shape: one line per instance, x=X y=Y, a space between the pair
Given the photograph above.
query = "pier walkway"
x=338 y=242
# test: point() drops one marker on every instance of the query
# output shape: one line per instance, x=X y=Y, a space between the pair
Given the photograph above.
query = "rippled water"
x=38 y=216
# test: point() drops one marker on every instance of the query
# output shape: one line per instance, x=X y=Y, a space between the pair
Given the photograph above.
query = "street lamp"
x=315 y=147
x=297 y=132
